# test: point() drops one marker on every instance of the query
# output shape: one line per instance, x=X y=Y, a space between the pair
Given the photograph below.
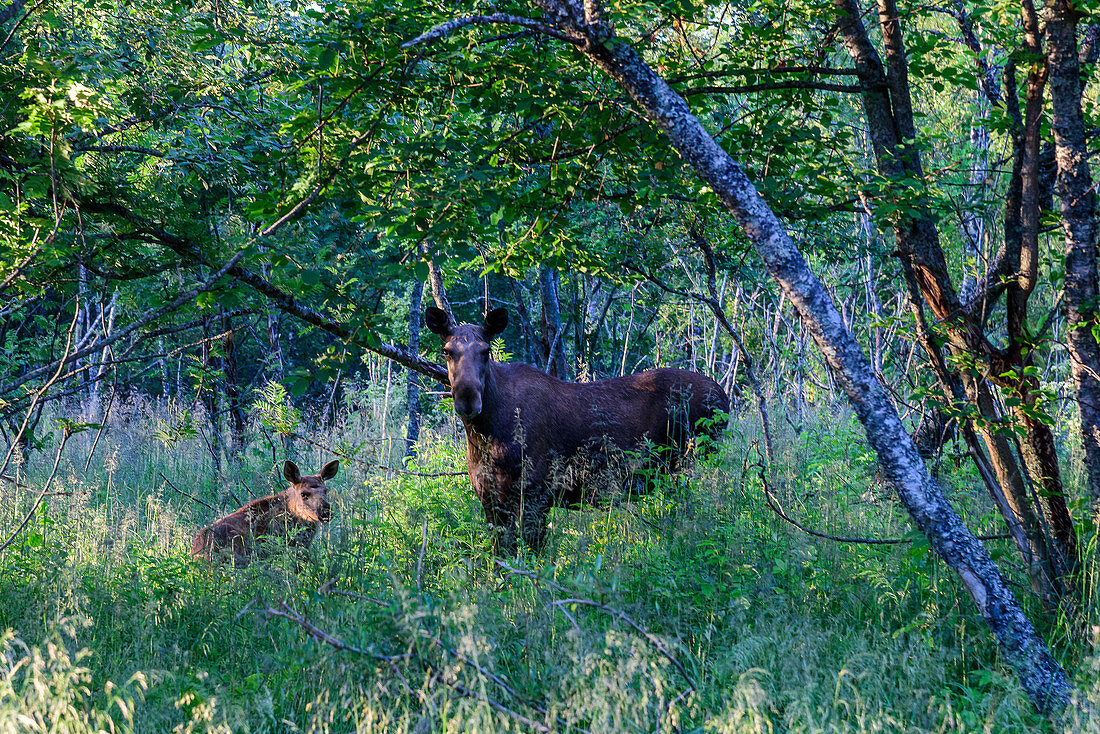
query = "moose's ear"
x=495 y=321
x=290 y=471
x=329 y=470
x=438 y=321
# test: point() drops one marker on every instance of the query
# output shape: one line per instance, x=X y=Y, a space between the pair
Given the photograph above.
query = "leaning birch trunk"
x=1041 y=676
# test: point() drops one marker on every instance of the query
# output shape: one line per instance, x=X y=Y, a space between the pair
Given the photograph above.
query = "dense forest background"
x=220 y=224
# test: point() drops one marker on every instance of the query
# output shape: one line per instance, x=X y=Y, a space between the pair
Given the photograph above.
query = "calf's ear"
x=329 y=470
x=495 y=322
x=290 y=471
x=438 y=321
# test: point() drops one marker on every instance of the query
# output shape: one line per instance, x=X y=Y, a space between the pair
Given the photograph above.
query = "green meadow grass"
x=693 y=609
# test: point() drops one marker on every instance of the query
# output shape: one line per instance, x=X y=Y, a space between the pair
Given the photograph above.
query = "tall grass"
x=693 y=609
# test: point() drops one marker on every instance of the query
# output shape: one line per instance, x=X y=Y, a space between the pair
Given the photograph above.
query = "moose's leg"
x=240 y=547
x=200 y=546
x=534 y=516
x=502 y=524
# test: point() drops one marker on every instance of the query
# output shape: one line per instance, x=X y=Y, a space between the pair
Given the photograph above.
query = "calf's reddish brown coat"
x=293 y=515
x=533 y=441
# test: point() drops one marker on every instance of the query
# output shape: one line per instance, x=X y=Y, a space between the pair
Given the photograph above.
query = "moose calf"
x=292 y=516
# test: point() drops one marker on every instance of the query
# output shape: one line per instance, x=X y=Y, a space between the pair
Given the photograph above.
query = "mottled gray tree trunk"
x=1041 y=676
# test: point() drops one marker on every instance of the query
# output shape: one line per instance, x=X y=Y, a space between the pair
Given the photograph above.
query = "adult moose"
x=533 y=440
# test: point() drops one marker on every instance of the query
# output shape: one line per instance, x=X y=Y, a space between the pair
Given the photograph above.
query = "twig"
x=287 y=612
x=611 y=611
x=66 y=433
x=326 y=588
x=420 y=559
x=102 y=426
x=533 y=576
x=42 y=391
x=189 y=496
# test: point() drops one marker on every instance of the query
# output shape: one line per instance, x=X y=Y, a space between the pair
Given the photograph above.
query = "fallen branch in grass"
x=185 y=494
x=285 y=611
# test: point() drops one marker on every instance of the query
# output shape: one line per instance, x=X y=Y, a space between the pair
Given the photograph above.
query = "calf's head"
x=307 y=497
x=466 y=349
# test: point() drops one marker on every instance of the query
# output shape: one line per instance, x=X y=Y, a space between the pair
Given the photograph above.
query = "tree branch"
x=281 y=299
x=766 y=86
x=445 y=29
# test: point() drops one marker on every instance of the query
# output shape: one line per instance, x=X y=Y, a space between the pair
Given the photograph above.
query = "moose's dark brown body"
x=533 y=441
x=294 y=515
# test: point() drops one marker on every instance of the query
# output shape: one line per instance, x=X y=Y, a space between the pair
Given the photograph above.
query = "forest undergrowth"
x=694 y=608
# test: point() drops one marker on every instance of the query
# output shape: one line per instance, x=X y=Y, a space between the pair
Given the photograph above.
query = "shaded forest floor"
x=695 y=608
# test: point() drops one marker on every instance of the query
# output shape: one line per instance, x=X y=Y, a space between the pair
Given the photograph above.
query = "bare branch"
x=134 y=326
x=287 y=612
x=383 y=467
x=119 y=149
x=767 y=86
x=445 y=29
x=749 y=71
x=185 y=494
x=65 y=435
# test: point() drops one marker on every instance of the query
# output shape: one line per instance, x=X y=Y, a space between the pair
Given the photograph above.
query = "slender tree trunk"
x=234 y=404
x=210 y=396
x=553 y=343
x=1078 y=207
x=384 y=454
x=274 y=361
x=529 y=338
x=1037 y=446
x=165 y=377
x=412 y=387
x=973 y=222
